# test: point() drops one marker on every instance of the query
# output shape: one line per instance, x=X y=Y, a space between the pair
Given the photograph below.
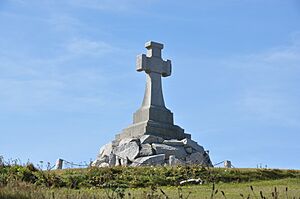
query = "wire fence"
x=119 y=160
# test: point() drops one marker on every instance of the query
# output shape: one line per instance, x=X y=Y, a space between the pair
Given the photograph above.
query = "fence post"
x=59 y=164
x=227 y=164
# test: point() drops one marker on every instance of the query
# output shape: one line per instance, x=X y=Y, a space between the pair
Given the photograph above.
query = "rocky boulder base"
x=151 y=150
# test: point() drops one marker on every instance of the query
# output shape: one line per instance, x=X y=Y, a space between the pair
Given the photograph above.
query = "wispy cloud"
x=282 y=56
x=65 y=23
x=270 y=106
x=29 y=83
x=89 y=47
x=73 y=92
x=271 y=81
x=287 y=56
x=63 y=76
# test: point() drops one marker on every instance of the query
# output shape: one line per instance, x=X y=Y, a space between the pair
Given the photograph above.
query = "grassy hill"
x=141 y=182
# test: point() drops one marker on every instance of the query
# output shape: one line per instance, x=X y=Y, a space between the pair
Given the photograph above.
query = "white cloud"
x=270 y=84
x=54 y=81
x=283 y=56
x=261 y=104
x=89 y=47
x=288 y=56
x=29 y=83
x=72 y=92
x=65 y=23
x=276 y=108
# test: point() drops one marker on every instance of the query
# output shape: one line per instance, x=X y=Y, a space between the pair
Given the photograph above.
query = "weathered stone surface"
x=173 y=161
x=149 y=160
x=190 y=143
x=178 y=151
x=173 y=142
x=121 y=161
x=100 y=160
x=112 y=159
x=189 y=150
x=207 y=160
x=196 y=158
x=129 y=150
x=118 y=161
x=127 y=140
x=146 y=150
x=104 y=164
x=150 y=139
x=105 y=150
x=124 y=161
x=95 y=163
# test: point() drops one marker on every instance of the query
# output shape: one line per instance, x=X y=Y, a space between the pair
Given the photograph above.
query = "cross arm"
x=167 y=68
x=141 y=63
x=153 y=64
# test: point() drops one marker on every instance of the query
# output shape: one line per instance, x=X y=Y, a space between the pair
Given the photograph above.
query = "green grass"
x=147 y=182
x=231 y=190
x=133 y=177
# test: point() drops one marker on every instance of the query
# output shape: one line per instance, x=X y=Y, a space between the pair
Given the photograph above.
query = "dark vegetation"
x=133 y=177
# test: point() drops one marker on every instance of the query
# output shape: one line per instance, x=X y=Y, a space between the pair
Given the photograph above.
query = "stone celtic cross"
x=153 y=117
x=152 y=138
x=155 y=67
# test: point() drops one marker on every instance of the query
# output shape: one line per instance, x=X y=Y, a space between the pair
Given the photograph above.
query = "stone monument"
x=152 y=138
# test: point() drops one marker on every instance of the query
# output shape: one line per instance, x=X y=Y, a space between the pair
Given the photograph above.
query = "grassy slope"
x=85 y=183
x=231 y=190
x=162 y=176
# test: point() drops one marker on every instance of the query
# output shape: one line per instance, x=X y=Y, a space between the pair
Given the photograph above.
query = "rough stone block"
x=105 y=150
x=190 y=143
x=178 y=151
x=129 y=150
x=196 y=158
x=173 y=161
x=127 y=140
x=104 y=164
x=146 y=150
x=124 y=162
x=112 y=159
x=149 y=160
x=118 y=161
x=173 y=142
x=150 y=139
x=189 y=150
x=100 y=160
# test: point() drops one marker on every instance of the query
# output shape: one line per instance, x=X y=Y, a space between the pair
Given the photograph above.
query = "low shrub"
x=135 y=176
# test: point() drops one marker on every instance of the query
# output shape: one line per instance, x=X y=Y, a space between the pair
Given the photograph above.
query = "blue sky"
x=68 y=82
